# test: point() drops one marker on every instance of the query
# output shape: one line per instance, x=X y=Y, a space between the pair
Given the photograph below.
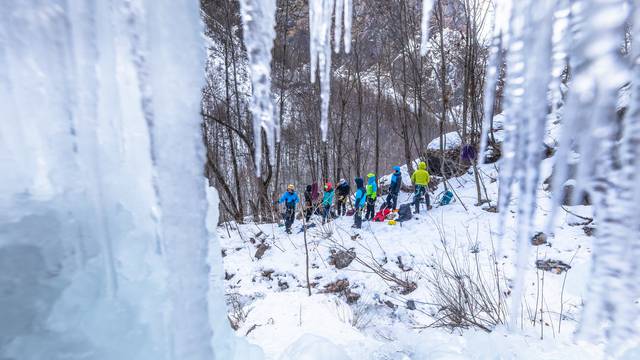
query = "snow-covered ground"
x=270 y=297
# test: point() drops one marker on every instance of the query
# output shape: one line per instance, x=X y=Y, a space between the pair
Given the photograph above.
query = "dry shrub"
x=464 y=294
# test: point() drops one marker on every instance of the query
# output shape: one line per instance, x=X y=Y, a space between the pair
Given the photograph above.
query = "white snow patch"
x=452 y=140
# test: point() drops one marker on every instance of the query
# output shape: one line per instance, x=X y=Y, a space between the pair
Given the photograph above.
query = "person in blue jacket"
x=394 y=189
x=360 y=201
x=327 y=200
x=290 y=199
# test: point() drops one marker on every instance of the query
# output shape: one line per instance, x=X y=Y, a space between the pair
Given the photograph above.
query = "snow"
x=313 y=347
x=103 y=252
x=452 y=140
x=379 y=331
x=314 y=320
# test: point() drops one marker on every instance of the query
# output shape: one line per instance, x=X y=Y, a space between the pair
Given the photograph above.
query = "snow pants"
x=326 y=213
x=341 y=204
x=289 y=216
x=392 y=201
x=308 y=211
x=371 y=209
x=357 y=218
x=421 y=191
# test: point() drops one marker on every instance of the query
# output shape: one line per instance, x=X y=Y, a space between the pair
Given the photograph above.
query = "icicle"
x=320 y=14
x=97 y=167
x=560 y=48
x=537 y=75
x=338 y=25
x=493 y=72
x=427 y=6
x=258 y=22
x=613 y=288
x=138 y=47
x=348 y=16
x=598 y=74
x=514 y=92
x=630 y=167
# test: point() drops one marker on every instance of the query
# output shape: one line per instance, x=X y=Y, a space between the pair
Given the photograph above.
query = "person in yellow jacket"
x=420 y=178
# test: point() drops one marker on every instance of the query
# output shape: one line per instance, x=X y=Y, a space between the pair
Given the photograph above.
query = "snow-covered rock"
x=452 y=140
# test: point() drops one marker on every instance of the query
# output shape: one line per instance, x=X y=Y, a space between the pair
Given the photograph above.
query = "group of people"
x=364 y=198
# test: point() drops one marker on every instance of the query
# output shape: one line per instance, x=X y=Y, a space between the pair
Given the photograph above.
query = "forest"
x=387 y=100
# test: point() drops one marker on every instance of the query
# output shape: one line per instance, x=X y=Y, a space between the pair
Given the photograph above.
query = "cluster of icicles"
x=258 y=19
x=541 y=37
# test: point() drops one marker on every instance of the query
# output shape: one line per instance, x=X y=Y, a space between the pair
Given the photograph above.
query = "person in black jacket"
x=394 y=189
x=308 y=203
x=342 y=196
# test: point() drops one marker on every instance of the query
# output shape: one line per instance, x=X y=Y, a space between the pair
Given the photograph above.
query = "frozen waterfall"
x=103 y=243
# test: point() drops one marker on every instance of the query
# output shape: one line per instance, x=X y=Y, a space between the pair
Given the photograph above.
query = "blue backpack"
x=446 y=198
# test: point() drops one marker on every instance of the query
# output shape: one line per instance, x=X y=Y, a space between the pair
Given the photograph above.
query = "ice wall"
x=103 y=243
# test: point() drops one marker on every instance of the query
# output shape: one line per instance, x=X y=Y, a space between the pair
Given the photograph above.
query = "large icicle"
x=427 y=6
x=514 y=94
x=598 y=74
x=590 y=130
x=537 y=74
x=337 y=28
x=258 y=24
x=630 y=167
x=611 y=294
x=347 y=18
x=493 y=72
x=80 y=270
x=320 y=15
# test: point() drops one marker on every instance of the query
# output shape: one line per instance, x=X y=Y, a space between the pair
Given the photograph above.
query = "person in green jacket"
x=420 y=178
x=372 y=194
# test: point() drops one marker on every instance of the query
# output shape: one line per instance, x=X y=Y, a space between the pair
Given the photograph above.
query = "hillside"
x=374 y=315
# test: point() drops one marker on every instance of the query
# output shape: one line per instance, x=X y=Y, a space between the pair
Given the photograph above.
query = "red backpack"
x=381 y=215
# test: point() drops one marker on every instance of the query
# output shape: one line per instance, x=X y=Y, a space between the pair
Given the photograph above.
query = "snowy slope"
x=272 y=290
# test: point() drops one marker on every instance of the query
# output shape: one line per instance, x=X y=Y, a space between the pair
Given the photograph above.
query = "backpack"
x=381 y=215
x=446 y=198
x=404 y=213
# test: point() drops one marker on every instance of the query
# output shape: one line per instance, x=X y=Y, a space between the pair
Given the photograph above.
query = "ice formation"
x=320 y=21
x=258 y=22
x=103 y=244
x=427 y=6
x=535 y=56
